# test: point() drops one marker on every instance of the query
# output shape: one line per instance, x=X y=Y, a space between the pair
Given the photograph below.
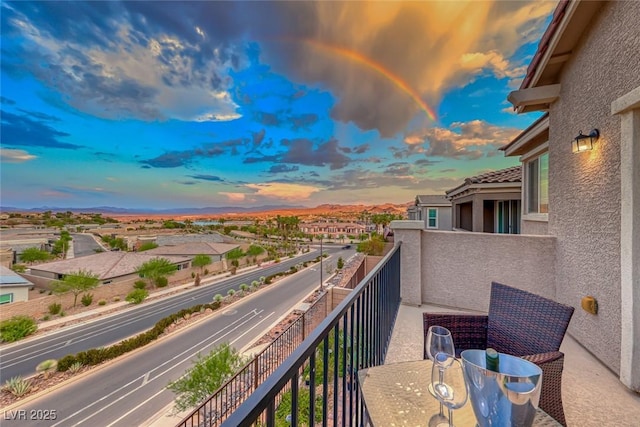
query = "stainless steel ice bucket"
x=508 y=398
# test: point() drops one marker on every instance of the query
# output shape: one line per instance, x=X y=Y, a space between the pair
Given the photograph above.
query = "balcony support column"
x=410 y=234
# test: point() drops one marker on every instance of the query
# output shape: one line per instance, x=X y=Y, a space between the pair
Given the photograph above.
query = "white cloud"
x=15 y=156
x=284 y=191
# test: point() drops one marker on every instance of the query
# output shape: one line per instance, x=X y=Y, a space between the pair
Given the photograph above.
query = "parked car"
x=346 y=247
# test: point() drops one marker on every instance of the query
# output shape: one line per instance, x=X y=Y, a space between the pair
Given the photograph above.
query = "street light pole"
x=321 y=257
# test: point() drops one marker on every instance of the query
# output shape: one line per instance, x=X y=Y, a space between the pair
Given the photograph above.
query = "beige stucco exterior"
x=456 y=269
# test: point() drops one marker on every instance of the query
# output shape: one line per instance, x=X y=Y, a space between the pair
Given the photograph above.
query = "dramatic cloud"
x=125 y=66
x=284 y=191
x=234 y=197
x=176 y=159
x=282 y=169
x=470 y=140
x=303 y=151
x=21 y=130
x=15 y=156
x=163 y=60
x=408 y=42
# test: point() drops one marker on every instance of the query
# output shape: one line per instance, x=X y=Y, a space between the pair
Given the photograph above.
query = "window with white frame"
x=537 y=184
x=6 y=298
x=432 y=218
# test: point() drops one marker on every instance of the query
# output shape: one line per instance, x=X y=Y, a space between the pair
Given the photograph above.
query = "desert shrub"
x=17 y=327
x=218 y=298
x=55 y=308
x=193 y=275
x=162 y=282
x=86 y=299
x=62 y=314
x=47 y=366
x=340 y=263
x=46 y=317
x=255 y=284
x=18 y=386
x=102 y=302
x=116 y=299
x=231 y=292
x=244 y=287
x=140 y=284
x=75 y=367
x=137 y=296
x=262 y=279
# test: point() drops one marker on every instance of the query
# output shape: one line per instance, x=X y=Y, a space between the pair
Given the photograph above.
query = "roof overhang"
x=534 y=99
x=570 y=19
x=486 y=187
x=529 y=139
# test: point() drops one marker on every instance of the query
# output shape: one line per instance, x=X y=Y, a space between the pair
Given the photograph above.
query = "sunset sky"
x=163 y=105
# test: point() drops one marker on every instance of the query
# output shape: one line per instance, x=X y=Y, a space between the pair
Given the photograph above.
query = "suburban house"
x=13 y=287
x=110 y=267
x=333 y=230
x=488 y=203
x=433 y=209
x=581 y=192
x=216 y=251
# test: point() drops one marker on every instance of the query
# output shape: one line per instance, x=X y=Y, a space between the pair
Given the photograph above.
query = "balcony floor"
x=592 y=395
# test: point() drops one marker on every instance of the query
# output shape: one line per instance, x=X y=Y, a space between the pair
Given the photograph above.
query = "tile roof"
x=433 y=199
x=502 y=176
x=105 y=265
x=204 y=248
x=512 y=174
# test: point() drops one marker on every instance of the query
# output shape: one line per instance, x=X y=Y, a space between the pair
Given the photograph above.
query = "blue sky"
x=193 y=104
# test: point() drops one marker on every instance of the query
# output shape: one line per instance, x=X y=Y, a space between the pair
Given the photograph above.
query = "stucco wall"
x=584 y=189
x=458 y=268
x=20 y=293
x=538 y=228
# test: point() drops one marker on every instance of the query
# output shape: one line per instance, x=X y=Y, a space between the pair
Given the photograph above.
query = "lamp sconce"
x=584 y=142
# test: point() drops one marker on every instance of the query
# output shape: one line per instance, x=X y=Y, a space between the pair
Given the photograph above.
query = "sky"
x=159 y=104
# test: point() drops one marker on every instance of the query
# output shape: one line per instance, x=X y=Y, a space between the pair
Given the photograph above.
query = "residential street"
x=130 y=390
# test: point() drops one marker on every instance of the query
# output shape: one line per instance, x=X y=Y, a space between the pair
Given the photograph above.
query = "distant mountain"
x=109 y=210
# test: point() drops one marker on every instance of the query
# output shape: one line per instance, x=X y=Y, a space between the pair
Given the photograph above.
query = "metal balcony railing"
x=317 y=383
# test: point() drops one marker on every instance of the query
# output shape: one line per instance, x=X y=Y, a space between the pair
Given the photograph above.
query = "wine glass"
x=449 y=386
x=439 y=340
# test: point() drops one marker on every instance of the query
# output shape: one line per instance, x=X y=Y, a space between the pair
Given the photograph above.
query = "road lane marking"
x=253 y=327
x=254 y=313
x=126 y=414
x=146 y=378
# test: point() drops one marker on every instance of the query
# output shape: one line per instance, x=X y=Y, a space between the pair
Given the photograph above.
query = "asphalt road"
x=131 y=390
x=23 y=357
x=84 y=244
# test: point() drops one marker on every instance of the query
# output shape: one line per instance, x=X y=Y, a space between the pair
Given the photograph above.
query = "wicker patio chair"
x=521 y=324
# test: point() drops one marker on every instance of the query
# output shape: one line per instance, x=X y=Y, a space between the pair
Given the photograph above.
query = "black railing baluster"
x=360 y=328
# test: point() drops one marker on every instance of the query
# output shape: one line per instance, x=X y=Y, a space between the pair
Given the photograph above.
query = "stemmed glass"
x=448 y=383
x=439 y=340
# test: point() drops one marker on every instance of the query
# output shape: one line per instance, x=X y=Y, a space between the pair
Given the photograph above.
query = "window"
x=508 y=217
x=537 y=185
x=432 y=218
x=6 y=298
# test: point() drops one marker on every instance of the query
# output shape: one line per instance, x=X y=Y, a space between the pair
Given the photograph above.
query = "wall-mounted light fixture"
x=584 y=142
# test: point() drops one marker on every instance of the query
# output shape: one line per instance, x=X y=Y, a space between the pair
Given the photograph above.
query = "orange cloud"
x=284 y=191
x=234 y=197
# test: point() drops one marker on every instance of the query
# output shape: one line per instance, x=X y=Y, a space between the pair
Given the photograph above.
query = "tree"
x=234 y=255
x=31 y=255
x=201 y=261
x=77 y=282
x=147 y=246
x=254 y=251
x=156 y=269
x=206 y=376
x=375 y=246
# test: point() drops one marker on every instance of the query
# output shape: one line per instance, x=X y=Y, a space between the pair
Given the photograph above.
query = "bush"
x=75 y=367
x=193 y=275
x=255 y=284
x=47 y=366
x=102 y=302
x=18 y=386
x=218 y=298
x=340 y=263
x=86 y=299
x=46 y=317
x=55 y=308
x=137 y=296
x=140 y=284
x=231 y=292
x=162 y=282
x=116 y=299
x=17 y=328
x=244 y=287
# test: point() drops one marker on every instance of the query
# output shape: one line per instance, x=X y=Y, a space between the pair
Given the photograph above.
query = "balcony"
x=315 y=385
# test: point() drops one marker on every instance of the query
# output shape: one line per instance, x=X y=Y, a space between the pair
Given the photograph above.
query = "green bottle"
x=493 y=361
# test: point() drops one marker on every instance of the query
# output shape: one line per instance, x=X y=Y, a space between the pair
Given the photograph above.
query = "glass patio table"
x=397 y=395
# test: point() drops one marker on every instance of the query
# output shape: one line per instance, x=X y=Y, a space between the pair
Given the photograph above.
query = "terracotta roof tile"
x=512 y=174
